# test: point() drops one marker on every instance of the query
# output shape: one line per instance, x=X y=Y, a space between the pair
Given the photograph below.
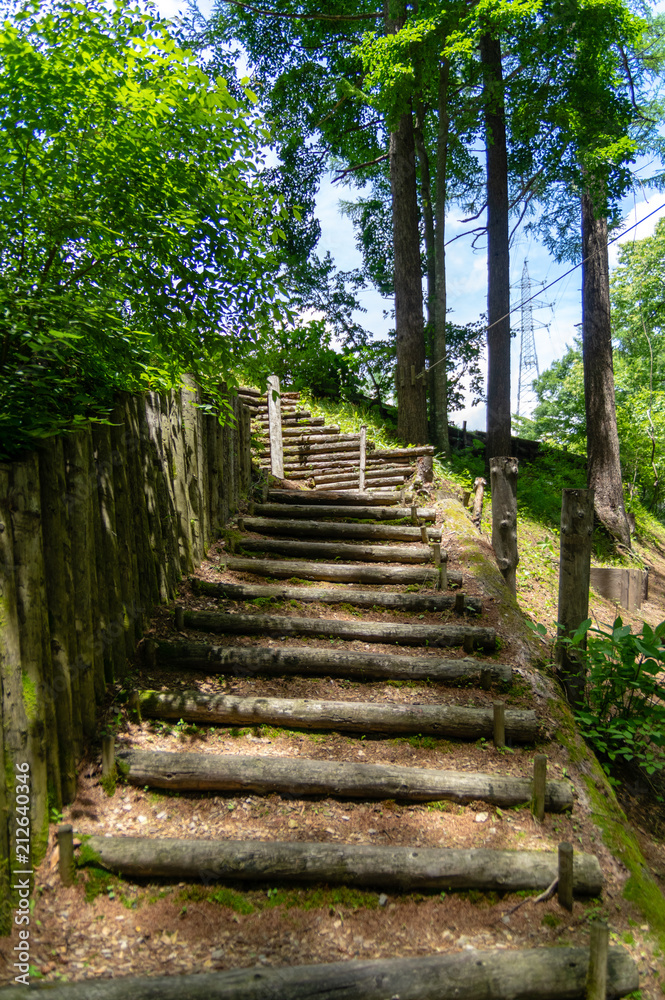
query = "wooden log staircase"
x=349 y=539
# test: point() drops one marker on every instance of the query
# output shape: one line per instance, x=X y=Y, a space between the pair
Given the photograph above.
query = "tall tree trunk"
x=411 y=394
x=498 y=252
x=603 y=466
x=427 y=209
x=439 y=376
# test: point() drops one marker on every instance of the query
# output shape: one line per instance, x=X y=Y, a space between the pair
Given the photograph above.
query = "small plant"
x=623 y=714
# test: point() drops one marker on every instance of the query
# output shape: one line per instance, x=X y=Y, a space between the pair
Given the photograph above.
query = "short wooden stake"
x=402 y=497
x=108 y=755
x=486 y=678
x=241 y=524
x=135 y=706
x=250 y=507
x=436 y=553
x=478 y=495
x=467 y=644
x=423 y=535
x=414 y=514
x=596 y=982
x=539 y=781
x=460 y=602
x=275 y=427
x=565 y=887
x=499 y=723
x=466 y=496
x=179 y=617
x=363 y=457
x=66 y=854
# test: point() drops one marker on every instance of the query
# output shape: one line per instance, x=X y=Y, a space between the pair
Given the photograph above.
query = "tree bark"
x=498 y=252
x=574 y=572
x=603 y=464
x=534 y=974
x=295 y=776
x=329 y=529
x=248 y=661
x=453 y=721
x=401 y=868
x=439 y=375
x=410 y=339
x=503 y=473
x=339 y=572
x=409 y=635
x=349 y=551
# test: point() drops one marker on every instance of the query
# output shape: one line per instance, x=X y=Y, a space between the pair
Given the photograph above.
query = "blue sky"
x=555 y=325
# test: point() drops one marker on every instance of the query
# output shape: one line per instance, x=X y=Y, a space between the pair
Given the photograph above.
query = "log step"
x=285 y=569
x=248 y=661
x=403 y=868
x=435 y=636
x=536 y=973
x=377 y=472
x=446 y=721
x=328 y=529
x=340 y=512
x=357 y=499
x=349 y=551
x=338 y=595
x=299 y=776
x=389 y=482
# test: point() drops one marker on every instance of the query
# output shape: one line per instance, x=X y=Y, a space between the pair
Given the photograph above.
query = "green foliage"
x=623 y=715
x=137 y=235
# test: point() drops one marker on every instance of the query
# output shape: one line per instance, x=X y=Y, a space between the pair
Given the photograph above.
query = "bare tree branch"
x=359 y=166
x=304 y=17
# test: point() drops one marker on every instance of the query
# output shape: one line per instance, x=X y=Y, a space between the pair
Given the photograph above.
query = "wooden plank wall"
x=96 y=527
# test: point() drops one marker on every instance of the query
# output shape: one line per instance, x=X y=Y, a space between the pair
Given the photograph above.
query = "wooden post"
x=574 y=572
x=460 y=602
x=179 y=617
x=414 y=514
x=108 y=755
x=479 y=485
x=503 y=480
x=499 y=723
x=485 y=678
x=596 y=983
x=443 y=568
x=275 y=428
x=363 y=457
x=467 y=644
x=565 y=887
x=435 y=548
x=423 y=535
x=66 y=854
x=539 y=780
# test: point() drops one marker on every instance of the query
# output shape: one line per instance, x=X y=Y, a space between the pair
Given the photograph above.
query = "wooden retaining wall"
x=96 y=527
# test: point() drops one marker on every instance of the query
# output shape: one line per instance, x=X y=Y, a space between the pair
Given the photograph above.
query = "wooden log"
x=596 y=983
x=503 y=482
x=363 y=458
x=160 y=426
x=248 y=661
x=389 y=482
x=340 y=511
x=452 y=721
x=315 y=442
x=356 y=499
x=539 y=782
x=565 y=877
x=127 y=560
x=371 y=473
x=400 y=868
x=425 y=468
x=13 y=709
x=181 y=479
x=235 y=448
x=335 y=595
x=59 y=586
x=275 y=427
x=349 y=551
x=534 y=974
x=403 y=452
x=328 y=529
x=296 y=776
x=109 y=544
x=313 y=433
x=101 y=609
x=66 y=854
x=435 y=636
x=339 y=572
x=479 y=485
x=574 y=572
x=245 y=445
x=147 y=576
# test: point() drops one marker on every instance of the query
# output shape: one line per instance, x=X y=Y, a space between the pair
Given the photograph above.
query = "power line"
x=557 y=280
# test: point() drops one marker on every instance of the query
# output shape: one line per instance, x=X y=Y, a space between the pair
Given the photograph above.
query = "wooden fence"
x=96 y=527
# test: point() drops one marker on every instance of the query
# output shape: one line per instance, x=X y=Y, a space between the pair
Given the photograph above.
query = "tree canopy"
x=137 y=235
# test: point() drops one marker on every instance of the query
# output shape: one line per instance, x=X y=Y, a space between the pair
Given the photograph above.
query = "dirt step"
x=434 y=636
x=449 y=721
x=404 y=868
x=311 y=505
x=299 y=776
x=349 y=551
x=340 y=572
x=306 y=661
x=327 y=529
x=458 y=602
x=539 y=973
